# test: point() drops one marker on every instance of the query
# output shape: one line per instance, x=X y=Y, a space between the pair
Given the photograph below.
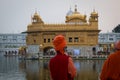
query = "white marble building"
x=106 y=41
x=10 y=43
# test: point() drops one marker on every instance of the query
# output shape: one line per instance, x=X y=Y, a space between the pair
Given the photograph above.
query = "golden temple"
x=77 y=30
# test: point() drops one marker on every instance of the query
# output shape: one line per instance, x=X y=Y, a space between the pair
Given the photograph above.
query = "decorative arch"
x=48 y=50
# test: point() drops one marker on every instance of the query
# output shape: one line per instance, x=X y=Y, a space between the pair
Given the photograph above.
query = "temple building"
x=81 y=34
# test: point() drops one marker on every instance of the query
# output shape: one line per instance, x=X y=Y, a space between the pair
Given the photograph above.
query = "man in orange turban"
x=61 y=65
x=111 y=67
x=59 y=43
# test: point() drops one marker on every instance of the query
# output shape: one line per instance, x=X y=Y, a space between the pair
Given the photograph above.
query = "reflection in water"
x=35 y=70
x=88 y=69
x=9 y=69
x=13 y=69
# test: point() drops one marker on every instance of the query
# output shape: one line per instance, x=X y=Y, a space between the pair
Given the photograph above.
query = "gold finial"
x=75 y=8
x=35 y=11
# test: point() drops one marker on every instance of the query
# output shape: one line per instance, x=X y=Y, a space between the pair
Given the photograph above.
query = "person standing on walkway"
x=111 y=66
x=61 y=65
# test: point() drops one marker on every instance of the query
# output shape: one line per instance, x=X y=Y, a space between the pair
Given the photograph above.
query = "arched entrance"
x=48 y=51
x=94 y=50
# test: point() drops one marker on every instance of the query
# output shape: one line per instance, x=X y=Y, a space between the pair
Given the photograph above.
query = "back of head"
x=117 y=45
x=59 y=43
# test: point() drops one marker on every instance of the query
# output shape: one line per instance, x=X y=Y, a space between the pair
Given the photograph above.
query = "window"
x=111 y=39
x=76 y=39
x=111 y=35
x=118 y=35
x=48 y=40
x=34 y=41
x=34 y=20
x=70 y=39
x=44 y=40
x=4 y=37
x=14 y=37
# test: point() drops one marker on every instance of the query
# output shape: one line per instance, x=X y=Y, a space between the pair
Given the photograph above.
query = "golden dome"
x=36 y=18
x=77 y=15
x=94 y=13
x=36 y=15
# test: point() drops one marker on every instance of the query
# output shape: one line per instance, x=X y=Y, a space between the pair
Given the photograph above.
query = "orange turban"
x=59 y=43
x=117 y=44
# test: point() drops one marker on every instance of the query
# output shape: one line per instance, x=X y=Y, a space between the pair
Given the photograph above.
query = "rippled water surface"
x=13 y=69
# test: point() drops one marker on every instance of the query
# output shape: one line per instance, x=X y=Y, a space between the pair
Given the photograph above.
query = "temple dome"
x=75 y=16
x=36 y=15
x=94 y=13
x=36 y=18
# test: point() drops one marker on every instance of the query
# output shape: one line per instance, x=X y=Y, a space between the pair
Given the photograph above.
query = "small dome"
x=94 y=13
x=36 y=15
x=36 y=18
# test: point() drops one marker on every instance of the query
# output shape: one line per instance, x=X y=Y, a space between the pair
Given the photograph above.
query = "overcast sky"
x=15 y=15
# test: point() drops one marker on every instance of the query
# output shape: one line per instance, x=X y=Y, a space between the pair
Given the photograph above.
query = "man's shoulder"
x=113 y=56
x=52 y=58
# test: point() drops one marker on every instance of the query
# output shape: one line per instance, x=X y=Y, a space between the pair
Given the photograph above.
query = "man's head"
x=59 y=43
x=117 y=45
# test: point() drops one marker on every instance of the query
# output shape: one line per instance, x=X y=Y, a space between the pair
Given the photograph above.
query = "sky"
x=15 y=15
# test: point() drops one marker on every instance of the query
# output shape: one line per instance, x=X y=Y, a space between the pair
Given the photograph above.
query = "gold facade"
x=77 y=30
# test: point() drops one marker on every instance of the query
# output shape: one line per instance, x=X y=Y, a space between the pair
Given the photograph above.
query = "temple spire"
x=75 y=8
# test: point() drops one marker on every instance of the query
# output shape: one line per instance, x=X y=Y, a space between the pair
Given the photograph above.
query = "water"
x=13 y=69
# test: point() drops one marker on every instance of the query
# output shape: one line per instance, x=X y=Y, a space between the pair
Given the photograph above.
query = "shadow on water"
x=13 y=69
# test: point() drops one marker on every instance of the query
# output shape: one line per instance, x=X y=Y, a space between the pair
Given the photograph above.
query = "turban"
x=117 y=45
x=59 y=43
